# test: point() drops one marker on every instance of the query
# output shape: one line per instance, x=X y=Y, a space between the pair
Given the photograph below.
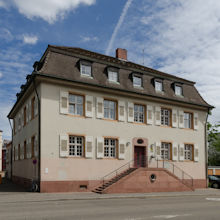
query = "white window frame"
x=188 y=120
x=188 y=153
x=86 y=70
x=178 y=90
x=110 y=147
x=76 y=149
x=113 y=76
x=76 y=104
x=158 y=86
x=139 y=116
x=108 y=109
x=137 y=83
x=165 y=118
x=166 y=150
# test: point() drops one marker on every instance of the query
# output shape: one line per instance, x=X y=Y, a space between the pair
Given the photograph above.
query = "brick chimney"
x=121 y=54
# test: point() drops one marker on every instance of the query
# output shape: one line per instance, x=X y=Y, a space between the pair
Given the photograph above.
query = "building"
x=8 y=159
x=84 y=118
x=1 y=143
x=4 y=152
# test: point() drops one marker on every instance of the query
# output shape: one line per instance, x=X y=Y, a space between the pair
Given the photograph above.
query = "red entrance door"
x=139 y=156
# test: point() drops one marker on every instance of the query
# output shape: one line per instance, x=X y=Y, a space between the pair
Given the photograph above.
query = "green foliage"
x=214 y=144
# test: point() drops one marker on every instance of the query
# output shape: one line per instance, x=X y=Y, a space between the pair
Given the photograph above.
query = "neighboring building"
x=8 y=159
x=1 y=142
x=4 y=149
x=82 y=115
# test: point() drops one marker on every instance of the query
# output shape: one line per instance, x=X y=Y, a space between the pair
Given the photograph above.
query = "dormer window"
x=158 y=85
x=112 y=75
x=137 y=81
x=85 y=68
x=178 y=90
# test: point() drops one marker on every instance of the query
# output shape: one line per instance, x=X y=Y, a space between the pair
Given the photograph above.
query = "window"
x=112 y=76
x=166 y=151
x=25 y=149
x=32 y=107
x=76 y=104
x=178 y=90
x=137 y=81
x=85 y=70
x=165 y=117
x=188 y=152
x=139 y=113
x=32 y=146
x=76 y=144
x=110 y=147
x=158 y=86
x=25 y=115
x=187 y=120
x=110 y=109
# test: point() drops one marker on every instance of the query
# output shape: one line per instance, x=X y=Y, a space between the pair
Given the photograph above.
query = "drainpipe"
x=12 y=135
x=206 y=148
x=39 y=134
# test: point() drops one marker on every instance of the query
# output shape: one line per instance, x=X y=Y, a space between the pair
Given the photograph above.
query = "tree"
x=214 y=144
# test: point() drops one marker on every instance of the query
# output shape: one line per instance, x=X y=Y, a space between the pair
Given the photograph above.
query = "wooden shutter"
x=121 y=149
x=36 y=106
x=89 y=147
x=121 y=111
x=157 y=115
x=181 y=152
x=158 y=150
x=196 y=121
x=130 y=112
x=36 y=146
x=99 y=107
x=64 y=102
x=64 y=145
x=149 y=114
x=89 y=106
x=175 y=152
x=100 y=147
x=181 y=119
x=174 y=118
x=196 y=153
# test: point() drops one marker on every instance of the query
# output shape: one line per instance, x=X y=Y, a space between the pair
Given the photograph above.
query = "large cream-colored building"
x=82 y=115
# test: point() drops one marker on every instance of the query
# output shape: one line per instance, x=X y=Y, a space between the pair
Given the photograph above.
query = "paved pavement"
x=200 y=204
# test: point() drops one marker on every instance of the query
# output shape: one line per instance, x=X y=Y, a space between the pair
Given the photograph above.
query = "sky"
x=180 y=37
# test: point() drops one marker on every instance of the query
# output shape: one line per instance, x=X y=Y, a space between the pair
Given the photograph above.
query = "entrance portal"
x=139 y=156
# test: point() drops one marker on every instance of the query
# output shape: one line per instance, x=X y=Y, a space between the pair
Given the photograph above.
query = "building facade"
x=82 y=115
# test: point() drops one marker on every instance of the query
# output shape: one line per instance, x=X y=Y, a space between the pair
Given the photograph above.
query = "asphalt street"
x=178 y=207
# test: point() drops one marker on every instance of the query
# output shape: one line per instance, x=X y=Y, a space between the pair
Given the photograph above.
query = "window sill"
x=86 y=76
x=107 y=119
x=138 y=87
x=140 y=123
x=179 y=96
x=113 y=82
x=159 y=92
x=77 y=116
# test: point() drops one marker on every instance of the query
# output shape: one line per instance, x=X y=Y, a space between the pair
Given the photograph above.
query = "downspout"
x=206 y=149
x=39 y=135
x=11 y=145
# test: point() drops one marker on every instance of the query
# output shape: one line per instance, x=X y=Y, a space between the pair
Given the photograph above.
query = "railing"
x=150 y=162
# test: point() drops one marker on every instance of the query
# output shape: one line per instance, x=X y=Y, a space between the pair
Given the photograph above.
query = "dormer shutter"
x=121 y=111
x=64 y=102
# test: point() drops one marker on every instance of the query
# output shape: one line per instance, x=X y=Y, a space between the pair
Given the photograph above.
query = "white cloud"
x=6 y=35
x=3 y=4
x=89 y=39
x=1 y=75
x=48 y=10
x=118 y=25
x=180 y=37
x=28 y=39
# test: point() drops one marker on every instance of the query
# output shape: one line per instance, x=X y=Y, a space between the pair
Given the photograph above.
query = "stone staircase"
x=113 y=180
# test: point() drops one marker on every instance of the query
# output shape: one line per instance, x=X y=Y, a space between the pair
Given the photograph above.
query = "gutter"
x=39 y=135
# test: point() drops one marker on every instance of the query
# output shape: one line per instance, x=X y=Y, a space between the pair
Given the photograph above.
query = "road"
x=183 y=207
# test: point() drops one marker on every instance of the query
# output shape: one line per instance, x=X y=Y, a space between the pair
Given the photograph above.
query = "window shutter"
x=100 y=147
x=99 y=107
x=196 y=153
x=22 y=117
x=30 y=110
x=21 y=151
x=64 y=102
x=130 y=112
x=19 y=124
x=157 y=115
x=89 y=106
x=181 y=152
x=196 y=120
x=27 y=112
x=158 y=150
x=64 y=145
x=16 y=152
x=121 y=150
x=36 y=146
x=174 y=118
x=181 y=119
x=175 y=152
x=121 y=111
x=36 y=106
x=149 y=114
x=89 y=147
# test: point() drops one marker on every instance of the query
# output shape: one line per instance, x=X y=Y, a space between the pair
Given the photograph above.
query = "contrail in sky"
x=120 y=21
